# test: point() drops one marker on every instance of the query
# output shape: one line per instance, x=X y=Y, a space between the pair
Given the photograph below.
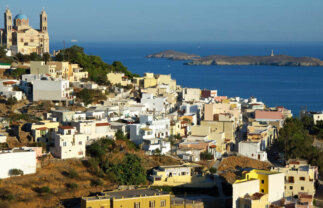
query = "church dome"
x=21 y=17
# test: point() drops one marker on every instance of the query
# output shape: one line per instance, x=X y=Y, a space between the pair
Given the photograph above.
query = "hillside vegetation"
x=94 y=65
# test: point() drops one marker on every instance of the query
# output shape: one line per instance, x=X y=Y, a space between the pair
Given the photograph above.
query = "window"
x=290 y=179
x=137 y=205
x=262 y=181
x=151 y=204
x=291 y=188
x=183 y=173
x=163 y=203
x=32 y=40
x=64 y=144
x=302 y=178
x=262 y=191
x=80 y=142
x=302 y=188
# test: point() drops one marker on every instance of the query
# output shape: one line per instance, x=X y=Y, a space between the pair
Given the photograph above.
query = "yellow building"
x=188 y=175
x=136 y=198
x=42 y=131
x=151 y=80
x=118 y=79
x=20 y=37
x=269 y=183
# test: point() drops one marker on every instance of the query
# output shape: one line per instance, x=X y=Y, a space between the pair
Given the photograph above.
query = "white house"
x=317 y=117
x=52 y=89
x=191 y=94
x=68 y=143
x=7 y=89
x=154 y=104
x=3 y=138
x=149 y=128
x=151 y=145
x=18 y=158
x=252 y=150
x=96 y=114
x=94 y=129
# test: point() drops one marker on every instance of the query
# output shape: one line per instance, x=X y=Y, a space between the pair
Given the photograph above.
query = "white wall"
x=252 y=150
x=241 y=189
x=276 y=187
x=3 y=138
x=50 y=90
x=25 y=161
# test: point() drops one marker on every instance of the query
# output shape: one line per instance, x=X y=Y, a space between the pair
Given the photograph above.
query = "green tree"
x=129 y=172
x=46 y=57
x=94 y=65
x=294 y=140
x=120 y=135
x=11 y=101
x=3 y=52
x=206 y=156
x=34 y=57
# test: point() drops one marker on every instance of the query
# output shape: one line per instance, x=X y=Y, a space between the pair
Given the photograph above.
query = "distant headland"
x=274 y=60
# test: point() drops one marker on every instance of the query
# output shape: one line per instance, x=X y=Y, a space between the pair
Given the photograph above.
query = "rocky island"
x=274 y=60
x=174 y=55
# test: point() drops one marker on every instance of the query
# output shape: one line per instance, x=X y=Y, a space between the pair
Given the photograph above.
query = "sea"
x=295 y=88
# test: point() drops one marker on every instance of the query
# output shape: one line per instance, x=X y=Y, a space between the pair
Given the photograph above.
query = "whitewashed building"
x=149 y=128
x=191 y=94
x=152 y=145
x=94 y=129
x=155 y=104
x=68 y=143
x=52 y=89
x=252 y=150
x=18 y=158
x=7 y=89
x=3 y=138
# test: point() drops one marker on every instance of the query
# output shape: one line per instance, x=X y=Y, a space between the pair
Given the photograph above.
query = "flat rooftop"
x=126 y=194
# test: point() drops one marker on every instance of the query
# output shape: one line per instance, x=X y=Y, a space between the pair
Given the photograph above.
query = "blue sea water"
x=292 y=87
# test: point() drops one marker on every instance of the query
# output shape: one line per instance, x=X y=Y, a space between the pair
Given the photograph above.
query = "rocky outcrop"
x=174 y=55
x=277 y=60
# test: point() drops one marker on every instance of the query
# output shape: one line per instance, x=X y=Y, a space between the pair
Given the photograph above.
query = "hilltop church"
x=19 y=37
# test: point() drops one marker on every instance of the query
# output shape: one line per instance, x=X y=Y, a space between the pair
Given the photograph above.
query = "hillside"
x=231 y=167
x=67 y=180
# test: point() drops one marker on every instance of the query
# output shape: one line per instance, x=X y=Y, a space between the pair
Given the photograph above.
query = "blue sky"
x=176 y=20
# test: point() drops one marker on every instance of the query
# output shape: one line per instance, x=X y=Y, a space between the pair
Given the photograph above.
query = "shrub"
x=96 y=182
x=71 y=173
x=16 y=172
x=213 y=170
x=206 y=156
x=42 y=190
x=71 y=186
x=6 y=195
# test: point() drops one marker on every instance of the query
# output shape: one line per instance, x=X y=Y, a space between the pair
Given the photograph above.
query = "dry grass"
x=51 y=175
x=230 y=165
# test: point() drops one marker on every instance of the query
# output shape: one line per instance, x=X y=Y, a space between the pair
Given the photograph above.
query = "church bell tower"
x=43 y=21
x=8 y=28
